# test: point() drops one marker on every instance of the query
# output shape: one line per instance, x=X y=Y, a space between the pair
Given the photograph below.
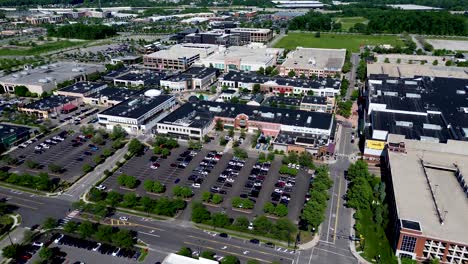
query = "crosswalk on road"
x=69 y=217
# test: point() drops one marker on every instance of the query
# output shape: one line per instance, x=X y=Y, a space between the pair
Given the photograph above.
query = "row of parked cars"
x=206 y=165
x=283 y=189
x=48 y=143
x=228 y=175
x=103 y=248
x=254 y=183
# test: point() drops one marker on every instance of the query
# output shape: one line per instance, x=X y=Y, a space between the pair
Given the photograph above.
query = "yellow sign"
x=374 y=144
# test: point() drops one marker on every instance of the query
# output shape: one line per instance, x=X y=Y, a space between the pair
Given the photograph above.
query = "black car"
x=223 y=235
x=270 y=245
x=254 y=241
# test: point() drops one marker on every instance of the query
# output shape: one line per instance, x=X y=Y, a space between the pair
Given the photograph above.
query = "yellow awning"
x=374 y=144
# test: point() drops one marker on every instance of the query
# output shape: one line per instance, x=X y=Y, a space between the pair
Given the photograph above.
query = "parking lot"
x=170 y=171
x=69 y=151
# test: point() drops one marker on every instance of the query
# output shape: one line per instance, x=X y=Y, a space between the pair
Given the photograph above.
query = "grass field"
x=40 y=48
x=349 y=22
x=335 y=41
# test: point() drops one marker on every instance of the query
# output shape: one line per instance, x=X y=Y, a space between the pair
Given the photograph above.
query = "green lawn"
x=375 y=241
x=334 y=41
x=349 y=22
x=40 y=48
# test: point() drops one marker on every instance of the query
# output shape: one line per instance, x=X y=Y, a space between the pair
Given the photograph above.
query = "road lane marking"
x=252 y=249
x=23 y=205
x=19 y=198
x=332 y=252
x=227 y=252
x=337 y=211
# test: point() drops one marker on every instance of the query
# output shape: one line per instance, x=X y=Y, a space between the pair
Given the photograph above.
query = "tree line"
x=281 y=229
x=386 y=20
x=81 y=31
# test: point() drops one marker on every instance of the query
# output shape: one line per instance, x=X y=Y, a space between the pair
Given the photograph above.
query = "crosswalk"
x=69 y=217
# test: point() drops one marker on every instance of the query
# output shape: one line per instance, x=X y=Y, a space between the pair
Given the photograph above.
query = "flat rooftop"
x=254 y=55
x=311 y=58
x=51 y=73
x=423 y=95
x=189 y=111
x=254 y=77
x=136 y=106
x=200 y=72
x=427 y=190
x=252 y=30
x=148 y=77
x=418 y=127
x=7 y=129
x=314 y=100
x=50 y=102
x=82 y=87
x=115 y=93
x=180 y=51
x=412 y=70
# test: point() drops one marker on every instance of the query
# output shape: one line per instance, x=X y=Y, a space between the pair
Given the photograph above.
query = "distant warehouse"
x=139 y=113
x=311 y=61
x=46 y=78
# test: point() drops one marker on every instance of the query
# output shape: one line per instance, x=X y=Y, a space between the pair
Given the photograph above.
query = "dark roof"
x=287 y=100
x=258 y=113
x=253 y=77
x=229 y=91
x=6 y=130
x=115 y=73
x=82 y=87
x=448 y=96
x=188 y=31
x=411 y=126
x=193 y=98
x=148 y=77
x=115 y=93
x=50 y=102
x=136 y=106
x=292 y=138
x=201 y=72
x=314 y=100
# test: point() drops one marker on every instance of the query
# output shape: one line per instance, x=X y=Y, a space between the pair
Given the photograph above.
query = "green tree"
x=21 y=91
x=98 y=139
x=262 y=225
x=87 y=168
x=104 y=233
x=11 y=251
x=220 y=220
x=130 y=200
x=241 y=223
x=55 y=168
x=269 y=208
x=70 y=227
x=50 y=223
x=135 y=146
x=86 y=229
x=291 y=73
x=253 y=261
x=206 y=196
x=217 y=198
x=117 y=133
x=199 y=213
x=182 y=191
x=261 y=71
x=281 y=210
x=208 y=255
x=123 y=238
x=256 y=88
x=219 y=125
x=113 y=198
x=240 y=153
x=185 y=251
x=230 y=260
x=46 y=254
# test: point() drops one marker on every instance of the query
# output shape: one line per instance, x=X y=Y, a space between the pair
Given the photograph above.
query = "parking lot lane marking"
x=337 y=210
x=228 y=252
x=148 y=234
x=220 y=242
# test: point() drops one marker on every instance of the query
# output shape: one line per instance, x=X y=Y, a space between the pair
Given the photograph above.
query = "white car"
x=57 y=240
x=97 y=247
x=278 y=191
x=101 y=187
x=250 y=226
x=298 y=166
x=38 y=244
x=290 y=165
x=46 y=146
x=29 y=142
x=48 y=140
x=196 y=185
x=116 y=251
x=123 y=218
x=230 y=180
x=38 y=147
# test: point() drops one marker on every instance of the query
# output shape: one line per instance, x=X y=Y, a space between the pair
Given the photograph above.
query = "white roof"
x=178 y=259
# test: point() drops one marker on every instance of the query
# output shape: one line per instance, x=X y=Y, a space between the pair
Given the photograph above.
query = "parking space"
x=169 y=171
x=227 y=178
x=253 y=186
x=68 y=151
x=204 y=168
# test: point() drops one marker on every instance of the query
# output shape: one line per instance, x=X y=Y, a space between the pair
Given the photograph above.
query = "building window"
x=408 y=244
